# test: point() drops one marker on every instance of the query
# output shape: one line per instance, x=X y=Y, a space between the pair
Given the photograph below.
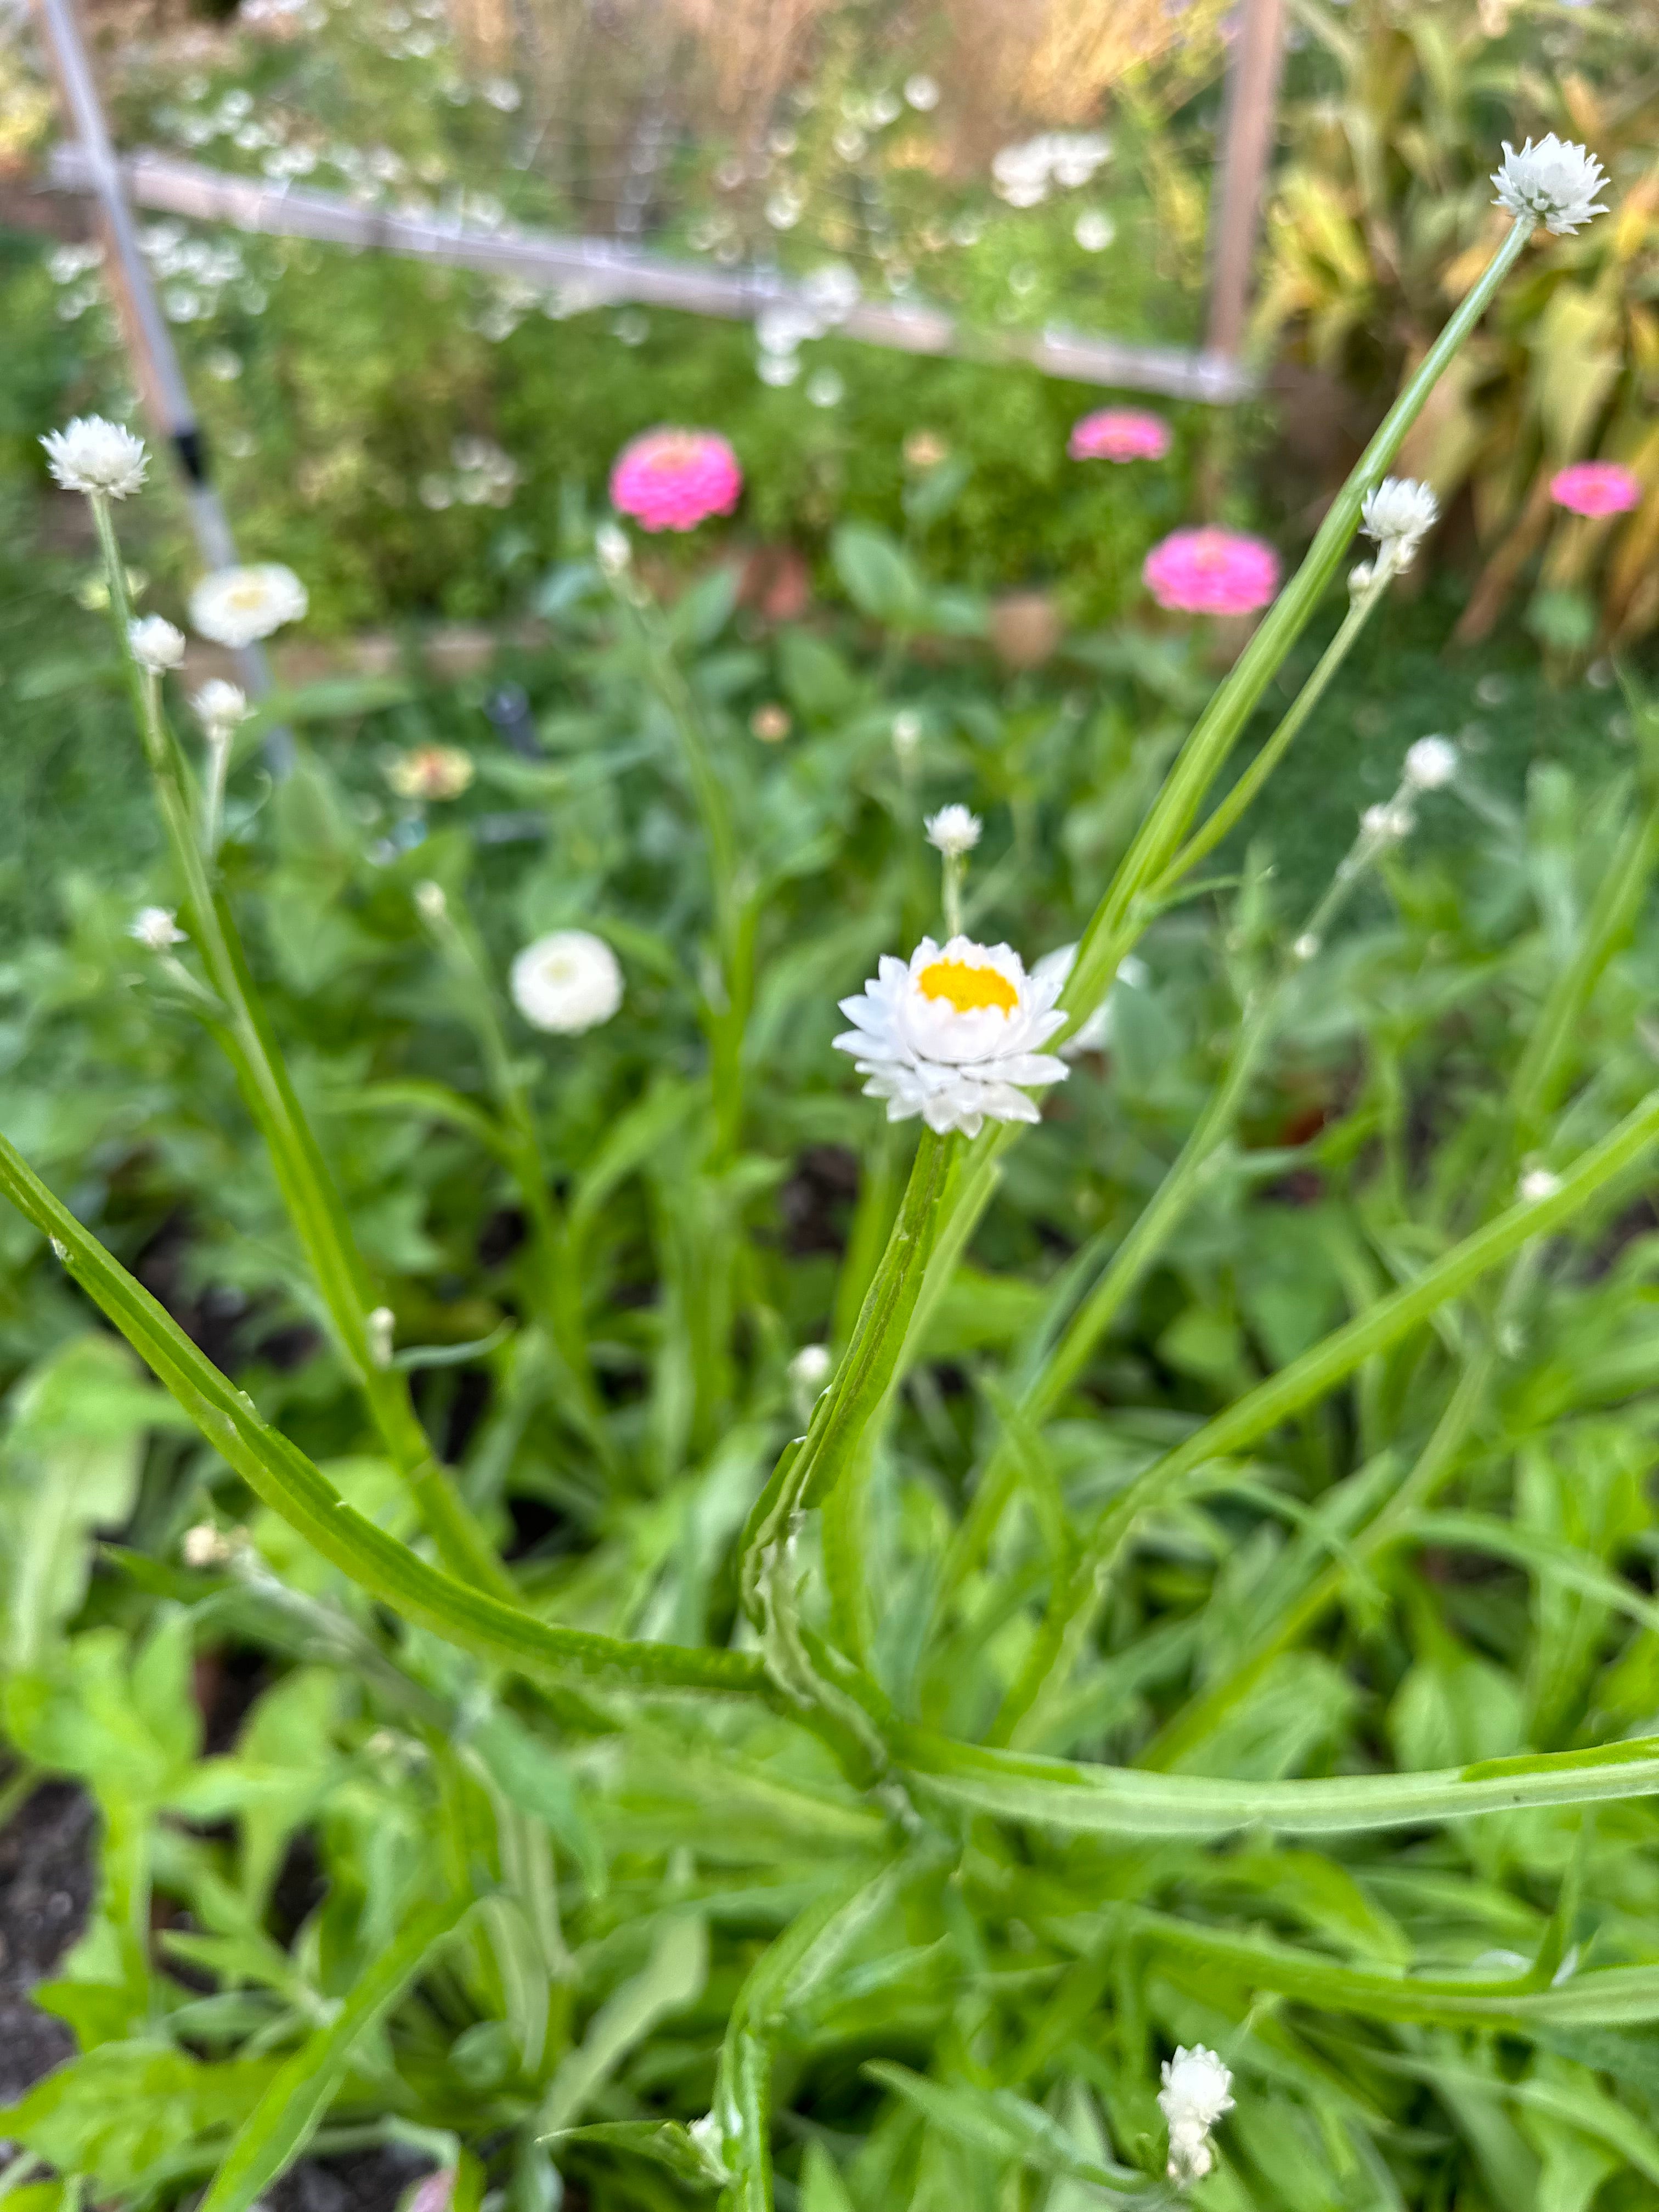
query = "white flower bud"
x=379 y=1324
x=1538 y=1183
x=1196 y=2093
x=953 y=831
x=809 y=1371
x=219 y=708
x=1399 y=513
x=156 y=929
x=430 y=902
x=1554 y=182
x=611 y=549
x=907 y=734
x=96 y=457
x=155 y=643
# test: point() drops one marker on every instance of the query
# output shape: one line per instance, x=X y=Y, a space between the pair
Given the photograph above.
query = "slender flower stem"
x=313 y=1204
x=1122 y=912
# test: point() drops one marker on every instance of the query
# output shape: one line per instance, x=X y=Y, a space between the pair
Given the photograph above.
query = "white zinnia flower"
x=1556 y=183
x=566 y=982
x=1399 y=513
x=953 y=831
x=156 y=929
x=1196 y=2092
x=1430 y=763
x=235 y=607
x=155 y=644
x=220 y=706
x=95 y=456
x=953 y=1035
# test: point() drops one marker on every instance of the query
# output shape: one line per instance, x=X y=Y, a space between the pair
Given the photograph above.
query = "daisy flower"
x=953 y=1035
x=566 y=982
x=237 y=606
x=96 y=457
x=674 y=479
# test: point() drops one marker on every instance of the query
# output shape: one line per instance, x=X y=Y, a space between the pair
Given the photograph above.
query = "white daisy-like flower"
x=1399 y=513
x=1197 y=2090
x=96 y=457
x=220 y=706
x=1430 y=763
x=566 y=982
x=952 y=1035
x=155 y=643
x=156 y=928
x=953 y=831
x=1554 y=182
x=237 y=606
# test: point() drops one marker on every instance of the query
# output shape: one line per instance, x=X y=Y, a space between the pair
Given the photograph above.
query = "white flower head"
x=95 y=456
x=156 y=929
x=953 y=831
x=237 y=606
x=1197 y=2090
x=220 y=706
x=1538 y=1183
x=953 y=1035
x=1430 y=763
x=155 y=643
x=566 y=982
x=1399 y=513
x=1554 y=182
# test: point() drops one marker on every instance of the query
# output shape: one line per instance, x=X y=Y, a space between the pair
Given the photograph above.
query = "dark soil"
x=361 y=2181
x=46 y=1887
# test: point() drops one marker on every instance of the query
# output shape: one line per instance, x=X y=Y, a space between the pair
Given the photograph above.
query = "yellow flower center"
x=967 y=988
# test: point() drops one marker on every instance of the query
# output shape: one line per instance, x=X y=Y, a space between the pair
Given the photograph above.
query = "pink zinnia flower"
x=675 y=479
x=1120 y=434
x=1211 y=571
x=1595 y=487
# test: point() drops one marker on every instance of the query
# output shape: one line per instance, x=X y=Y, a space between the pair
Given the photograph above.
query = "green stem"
x=281 y=1475
x=1282 y=1395
x=311 y=1201
x=1119 y=917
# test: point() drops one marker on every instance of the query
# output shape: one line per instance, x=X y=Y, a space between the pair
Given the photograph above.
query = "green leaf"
x=672 y=1978
x=880 y=578
x=288 y=2112
x=669 y=2142
x=118 y=2113
x=998 y=2124
x=537 y=1780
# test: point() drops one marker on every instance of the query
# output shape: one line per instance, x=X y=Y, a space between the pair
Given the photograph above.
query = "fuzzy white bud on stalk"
x=1306 y=947
x=1554 y=182
x=1430 y=763
x=219 y=708
x=204 y=1545
x=954 y=831
x=156 y=645
x=1399 y=513
x=1538 y=1183
x=97 y=457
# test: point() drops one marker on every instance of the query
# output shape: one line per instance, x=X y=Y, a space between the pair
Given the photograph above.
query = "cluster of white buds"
x=1388 y=821
x=380 y=1323
x=1197 y=2090
x=96 y=457
x=1399 y=513
x=156 y=645
x=1553 y=183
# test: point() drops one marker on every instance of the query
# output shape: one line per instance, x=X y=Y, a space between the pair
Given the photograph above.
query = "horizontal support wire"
x=611 y=274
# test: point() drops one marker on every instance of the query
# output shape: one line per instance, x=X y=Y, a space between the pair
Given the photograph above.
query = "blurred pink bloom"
x=1211 y=571
x=1120 y=434
x=1595 y=487
x=675 y=479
